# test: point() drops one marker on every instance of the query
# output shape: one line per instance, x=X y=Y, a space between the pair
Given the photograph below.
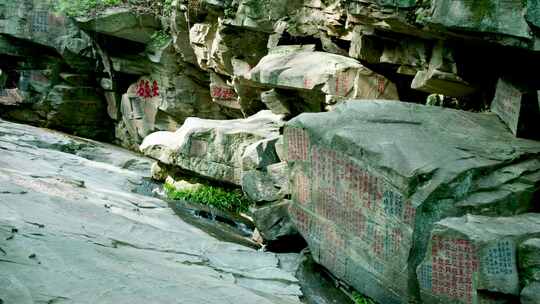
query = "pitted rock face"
x=368 y=187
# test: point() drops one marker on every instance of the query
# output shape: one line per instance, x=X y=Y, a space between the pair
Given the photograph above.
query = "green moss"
x=481 y=9
x=361 y=299
x=233 y=201
x=159 y=39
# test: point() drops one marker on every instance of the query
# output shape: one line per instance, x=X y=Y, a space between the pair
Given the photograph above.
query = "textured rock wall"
x=366 y=199
x=370 y=181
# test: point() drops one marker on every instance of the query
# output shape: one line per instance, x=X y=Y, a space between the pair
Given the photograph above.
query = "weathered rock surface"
x=122 y=23
x=328 y=73
x=472 y=256
x=212 y=148
x=531 y=294
x=369 y=185
x=529 y=261
x=273 y=220
x=517 y=107
x=72 y=229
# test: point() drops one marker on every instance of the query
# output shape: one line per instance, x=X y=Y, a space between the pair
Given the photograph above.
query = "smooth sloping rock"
x=331 y=74
x=474 y=253
x=212 y=148
x=370 y=179
x=73 y=229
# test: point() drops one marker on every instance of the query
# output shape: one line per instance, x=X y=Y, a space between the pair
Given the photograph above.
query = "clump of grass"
x=361 y=299
x=228 y=200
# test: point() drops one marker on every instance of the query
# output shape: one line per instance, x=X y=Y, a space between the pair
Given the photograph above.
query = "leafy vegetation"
x=229 y=200
x=361 y=299
x=77 y=8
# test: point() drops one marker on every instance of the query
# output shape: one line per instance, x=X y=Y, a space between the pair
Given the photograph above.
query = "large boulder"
x=472 y=256
x=273 y=220
x=327 y=73
x=502 y=18
x=38 y=22
x=122 y=23
x=518 y=107
x=212 y=148
x=370 y=179
x=76 y=109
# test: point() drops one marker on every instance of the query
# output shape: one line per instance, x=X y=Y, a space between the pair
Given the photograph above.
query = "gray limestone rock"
x=122 y=23
x=323 y=72
x=370 y=179
x=212 y=148
x=473 y=254
x=74 y=230
x=273 y=220
x=531 y=294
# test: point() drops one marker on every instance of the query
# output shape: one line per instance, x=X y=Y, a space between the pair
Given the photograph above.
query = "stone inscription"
x=144 y=89
x=40 y=21
x=454 y=261
x=342 y=84
x=198 y=147
x=225 y=93
x=507 y=104
x=500 y=260
x=343 y=207
x=298 y=144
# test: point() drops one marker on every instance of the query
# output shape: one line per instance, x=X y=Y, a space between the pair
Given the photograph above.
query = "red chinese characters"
x=145 y=91
x=224 y=93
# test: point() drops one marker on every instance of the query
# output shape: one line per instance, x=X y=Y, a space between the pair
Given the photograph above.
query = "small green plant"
x=229 y=200
x=361 y=299
x=77 y=8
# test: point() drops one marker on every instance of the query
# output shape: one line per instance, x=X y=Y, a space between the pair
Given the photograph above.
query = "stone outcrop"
x=75 y=225
x=328 y=73
x=368 y=187
x=366 y=183
x=472 y=256
x=213 y=148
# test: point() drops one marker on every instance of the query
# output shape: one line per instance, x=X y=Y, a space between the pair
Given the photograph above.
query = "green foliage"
x=220 y=198
x=77 y=8
x=84 y=7
x=361 y=299
x=159 y=39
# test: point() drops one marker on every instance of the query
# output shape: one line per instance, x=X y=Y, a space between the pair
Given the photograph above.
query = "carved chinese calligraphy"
x=144 y=89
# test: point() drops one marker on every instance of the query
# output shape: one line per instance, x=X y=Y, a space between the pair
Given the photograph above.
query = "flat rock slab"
x=370 y=179
x=73 y=230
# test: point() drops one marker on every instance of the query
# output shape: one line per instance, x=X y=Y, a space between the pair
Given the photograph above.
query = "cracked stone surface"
x=73 y=230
